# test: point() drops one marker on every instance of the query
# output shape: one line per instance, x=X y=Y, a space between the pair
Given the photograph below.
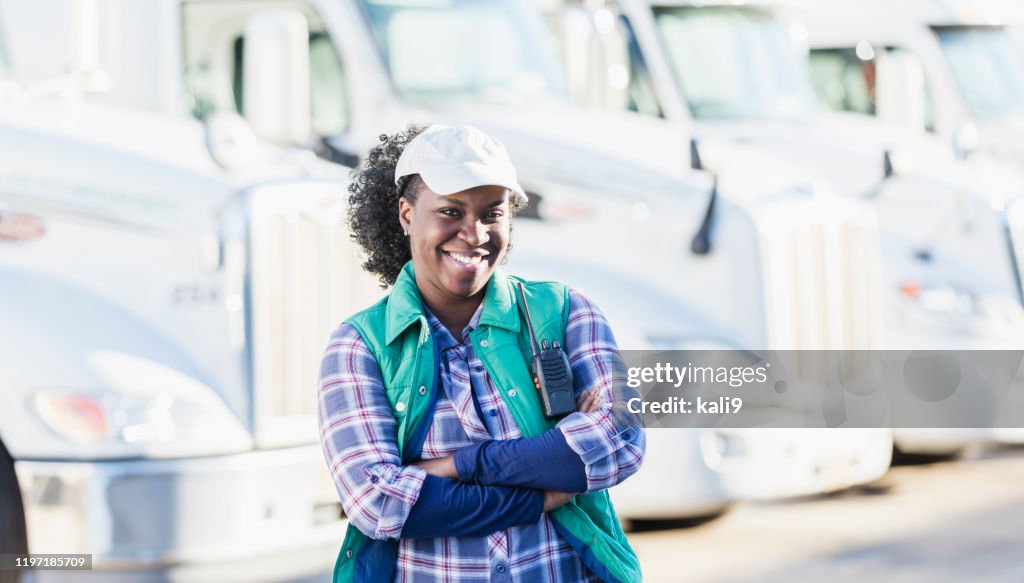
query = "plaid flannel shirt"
x=358 y=434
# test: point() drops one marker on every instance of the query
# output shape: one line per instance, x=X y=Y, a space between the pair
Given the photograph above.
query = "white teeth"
x=474 y=260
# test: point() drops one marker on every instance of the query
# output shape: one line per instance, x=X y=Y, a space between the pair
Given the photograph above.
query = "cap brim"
x=451 y=178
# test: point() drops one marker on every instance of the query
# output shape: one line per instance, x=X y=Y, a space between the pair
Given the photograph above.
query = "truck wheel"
x=12 y=515
x=649 y=524
x=902 y=458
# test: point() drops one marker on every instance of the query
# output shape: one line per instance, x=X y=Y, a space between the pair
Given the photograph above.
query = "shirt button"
x=348 y=553
x=399 y=407
x=512 y=393
x=483 y=343
x=423 y=390
x=493 y=412
x=374 y=479
x=500 y=568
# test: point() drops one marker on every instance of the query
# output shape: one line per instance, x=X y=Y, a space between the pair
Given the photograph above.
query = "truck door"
x=846 y=78
x=214 y=44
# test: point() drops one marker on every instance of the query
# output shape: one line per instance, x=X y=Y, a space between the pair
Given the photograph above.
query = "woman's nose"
x=475 y=233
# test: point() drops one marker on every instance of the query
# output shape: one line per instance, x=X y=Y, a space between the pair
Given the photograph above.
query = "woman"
x=445 y=463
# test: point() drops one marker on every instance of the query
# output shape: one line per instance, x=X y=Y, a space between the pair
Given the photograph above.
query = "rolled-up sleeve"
x=359 y=439
x=611 y=440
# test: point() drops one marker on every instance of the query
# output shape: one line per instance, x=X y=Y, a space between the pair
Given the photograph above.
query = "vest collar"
x=405 y=305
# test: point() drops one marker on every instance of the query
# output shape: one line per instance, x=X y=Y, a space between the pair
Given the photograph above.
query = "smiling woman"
x=458 y=234
x=462 y=237
x=430 y=423
x=376 y=192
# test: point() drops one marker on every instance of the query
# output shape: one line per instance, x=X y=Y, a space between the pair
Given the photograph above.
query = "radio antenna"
x=526 y=316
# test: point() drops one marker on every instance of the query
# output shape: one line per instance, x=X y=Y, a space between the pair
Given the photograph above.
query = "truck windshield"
x=735 y=62
x=988 y=68
x=445 y=51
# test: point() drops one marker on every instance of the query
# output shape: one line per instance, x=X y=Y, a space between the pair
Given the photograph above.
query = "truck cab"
x=755 y=97
x=952 y=69
x=167 y=293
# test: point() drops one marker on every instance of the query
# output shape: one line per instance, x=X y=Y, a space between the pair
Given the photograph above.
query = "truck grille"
x=822 y=275
x=304 y=278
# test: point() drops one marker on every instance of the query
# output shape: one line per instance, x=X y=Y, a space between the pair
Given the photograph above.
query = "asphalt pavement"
x=958 y=521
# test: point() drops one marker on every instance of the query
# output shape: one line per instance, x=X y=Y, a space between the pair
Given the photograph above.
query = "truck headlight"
x=109 y=416
x=141 y=403
x=945 y=298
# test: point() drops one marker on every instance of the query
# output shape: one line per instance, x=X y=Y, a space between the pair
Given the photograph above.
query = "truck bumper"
x=183 y=513
x=674 y=482
x=770 y=463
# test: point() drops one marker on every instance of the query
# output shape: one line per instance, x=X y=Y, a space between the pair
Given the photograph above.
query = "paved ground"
x=941 y=523
x=949 y=522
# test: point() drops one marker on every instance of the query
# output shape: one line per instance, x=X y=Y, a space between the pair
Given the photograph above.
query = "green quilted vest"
x=396 y=331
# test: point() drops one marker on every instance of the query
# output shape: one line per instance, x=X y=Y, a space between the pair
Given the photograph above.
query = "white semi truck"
x=167 y=286
x=946 y=69
x=737 y=76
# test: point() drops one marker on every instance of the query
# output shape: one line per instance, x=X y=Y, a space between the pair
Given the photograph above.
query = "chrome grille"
x=304 y=278
x=822 y=272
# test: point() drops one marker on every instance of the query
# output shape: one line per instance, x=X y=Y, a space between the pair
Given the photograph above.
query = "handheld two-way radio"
x=551 y=372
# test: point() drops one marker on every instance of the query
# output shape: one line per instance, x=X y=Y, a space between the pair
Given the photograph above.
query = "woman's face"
x=457 y=240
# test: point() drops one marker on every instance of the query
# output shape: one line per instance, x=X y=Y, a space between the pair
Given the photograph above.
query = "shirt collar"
x=405 y=305
x=443 y=336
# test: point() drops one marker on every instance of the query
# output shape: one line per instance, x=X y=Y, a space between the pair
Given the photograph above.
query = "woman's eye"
x=495 y=215
x=450 y=212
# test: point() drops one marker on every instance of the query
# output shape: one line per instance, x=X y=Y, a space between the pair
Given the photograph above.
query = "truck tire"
x=13 y=538
x=654 y=524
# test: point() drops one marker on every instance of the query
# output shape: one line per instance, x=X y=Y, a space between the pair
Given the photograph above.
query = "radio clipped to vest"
x=552 y=375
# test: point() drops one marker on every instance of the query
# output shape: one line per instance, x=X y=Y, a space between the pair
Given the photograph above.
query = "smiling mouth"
x=467 y=260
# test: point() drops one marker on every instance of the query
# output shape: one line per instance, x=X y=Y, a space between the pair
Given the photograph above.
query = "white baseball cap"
x=451 y=159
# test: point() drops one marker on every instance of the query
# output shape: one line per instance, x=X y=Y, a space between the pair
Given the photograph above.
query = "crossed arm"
x=545 y=462
x=482 y=488
x=504 y=489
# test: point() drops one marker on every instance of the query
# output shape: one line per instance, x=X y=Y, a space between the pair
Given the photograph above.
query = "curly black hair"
x=373 y=206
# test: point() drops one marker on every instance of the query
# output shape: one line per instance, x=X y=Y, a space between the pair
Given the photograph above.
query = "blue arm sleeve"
x=452 y=508
x=544 y=462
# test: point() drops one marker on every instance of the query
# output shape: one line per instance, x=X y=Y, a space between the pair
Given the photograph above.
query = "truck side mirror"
x=900 y=91
x=966 y=141
x=595 y=56
x=275 y=91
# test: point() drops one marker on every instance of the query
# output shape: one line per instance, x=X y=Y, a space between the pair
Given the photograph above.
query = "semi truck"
x=948 y=70
x=167 y=285
x=950 y=275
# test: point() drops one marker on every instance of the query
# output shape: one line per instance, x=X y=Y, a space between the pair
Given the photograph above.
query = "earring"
x=406 y=232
